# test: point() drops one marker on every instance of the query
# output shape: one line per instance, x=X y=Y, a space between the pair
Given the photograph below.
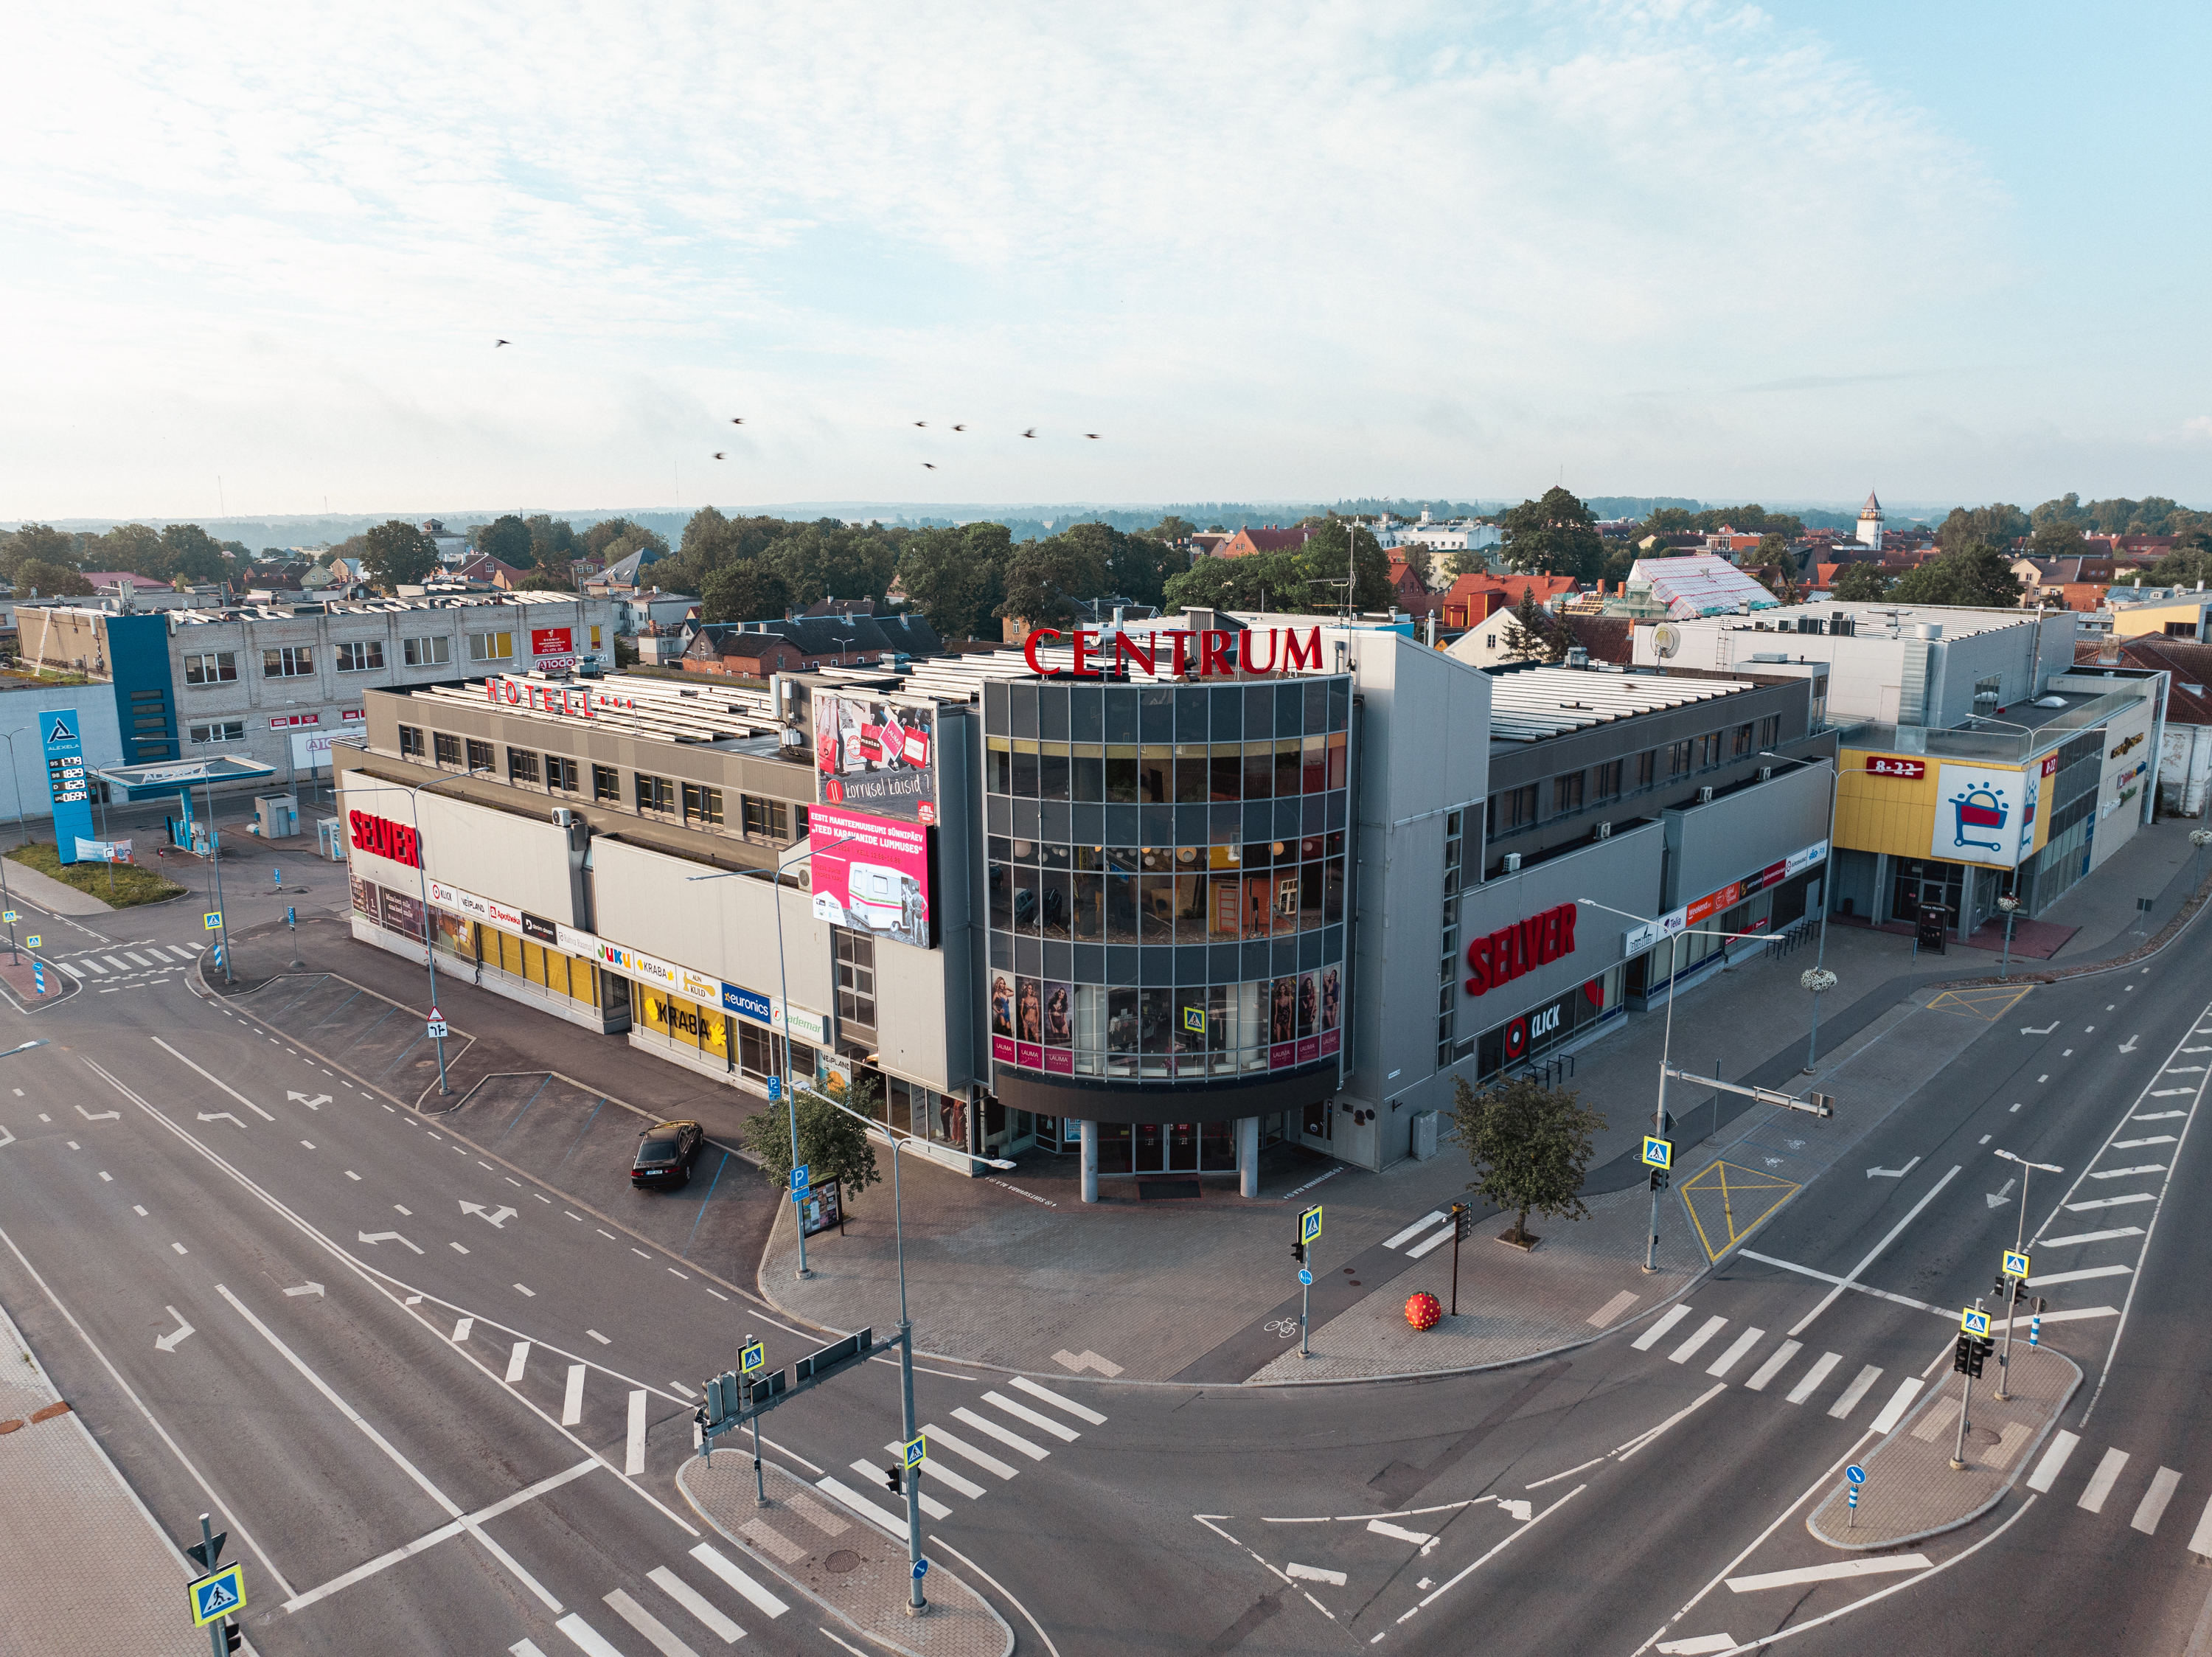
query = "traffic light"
x=232 y=1639
x=1660 y=1178
x=1298 y=1252
x=1970 y=1355
x=1462 y=1221
x=895 y=1480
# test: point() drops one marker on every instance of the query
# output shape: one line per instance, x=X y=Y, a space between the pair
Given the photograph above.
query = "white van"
x=886 y=899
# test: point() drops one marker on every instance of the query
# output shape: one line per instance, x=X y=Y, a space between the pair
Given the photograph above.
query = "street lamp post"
x=2010 y=904
x=22 y=837
x=2020 y=1242
x=783 y=990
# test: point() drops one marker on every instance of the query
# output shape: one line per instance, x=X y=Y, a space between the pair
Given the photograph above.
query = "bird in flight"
x=736 y=419
x=959 y=428
x=720 y=455
x=1031 y=432
x=922 y=422
x=1091 y=434
x=929 y=465
x=496 y=344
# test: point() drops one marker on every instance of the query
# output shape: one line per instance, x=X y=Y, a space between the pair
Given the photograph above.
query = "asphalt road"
x=439 y=1371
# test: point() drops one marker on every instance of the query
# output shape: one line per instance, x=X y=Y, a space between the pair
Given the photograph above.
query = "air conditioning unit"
x=1512 y=862
x=563 y=816
x=1605 y=831
x=1705 y=796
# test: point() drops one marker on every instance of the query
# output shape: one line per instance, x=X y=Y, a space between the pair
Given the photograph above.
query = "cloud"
x=1270 y=250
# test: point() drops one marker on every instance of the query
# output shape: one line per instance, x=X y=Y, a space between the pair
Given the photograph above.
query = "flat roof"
x=1879 y=620
x=1529 y=704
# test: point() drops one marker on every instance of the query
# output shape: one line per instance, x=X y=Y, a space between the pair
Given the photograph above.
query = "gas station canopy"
x=151 y=782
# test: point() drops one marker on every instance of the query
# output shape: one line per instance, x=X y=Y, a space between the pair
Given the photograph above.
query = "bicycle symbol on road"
x=1285 y=1327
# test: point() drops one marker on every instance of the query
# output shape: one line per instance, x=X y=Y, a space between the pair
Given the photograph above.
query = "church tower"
x=1870 y=523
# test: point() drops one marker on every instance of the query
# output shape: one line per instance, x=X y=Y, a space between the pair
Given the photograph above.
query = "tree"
x=2057 y=539
x=547 y=578
x=1533 y=633
x=51 y=581
x=601 y=539
x=957 y=577
x=833 y=1144
x=1139 y=567
x=1172 y=528
x=827 y=559
x=1556 y=534
x=752 y=591
x=2186 y=564
x=1774 y=548
x=397 y=554
x=1419 y=557
x=43 y=542
x=1324 y=559
x=1529 y=1145
x=1860 y=583
x=188 y=553
x=508 y=539
x=1263 y=581
x=1044 y=577
x=135 y=547
x=1998 y=523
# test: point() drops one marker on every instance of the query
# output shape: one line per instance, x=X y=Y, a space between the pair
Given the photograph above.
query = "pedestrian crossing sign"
x=212 y=920
x=2016 y=1263
x=916 y=1452
x=751 y=1357
x=1309 y=1224
x=220 y=1595
x=1974 y=1322
x=1658 y=1153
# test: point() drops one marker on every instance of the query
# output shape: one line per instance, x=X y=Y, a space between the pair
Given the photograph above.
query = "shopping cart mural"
x=1985 y=816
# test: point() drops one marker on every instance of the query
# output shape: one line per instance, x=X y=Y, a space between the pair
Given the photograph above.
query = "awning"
x=152 y=782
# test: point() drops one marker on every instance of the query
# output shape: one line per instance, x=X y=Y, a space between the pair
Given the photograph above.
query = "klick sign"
x=1508 y=953
x=1205 y=654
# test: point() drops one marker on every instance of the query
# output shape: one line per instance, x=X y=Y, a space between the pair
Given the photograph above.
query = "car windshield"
x=657 y=1150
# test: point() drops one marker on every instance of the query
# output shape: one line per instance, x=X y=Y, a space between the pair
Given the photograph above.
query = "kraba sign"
x=1208 y=653
x=1508 y=953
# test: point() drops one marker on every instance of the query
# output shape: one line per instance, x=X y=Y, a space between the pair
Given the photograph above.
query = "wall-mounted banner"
x=876 y=756
x=1985 y=815
x=480 y=909
x=748 y=1004
x=878 y=881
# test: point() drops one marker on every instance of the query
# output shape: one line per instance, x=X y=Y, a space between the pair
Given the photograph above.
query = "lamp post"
x=2020 y=1242
x=2010 y=904
x=783 y=990
x=22 y=837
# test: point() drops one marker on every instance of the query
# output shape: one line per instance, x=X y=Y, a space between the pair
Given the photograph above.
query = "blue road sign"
x=291 y=916
x=1854 y=1496
x=218 y=1595
x=801 y=1178
x=38 y=977
x=921 y=1569
x=916 y=1452
x=276 y=877
x=1309 y=1224
x=2035 y=1330
x=1658 y=1153
x=1973 y=1321
x=775 y=1089
x=751 y=1358
x=33 y=942
x=1856 y=1473
x=1305 y=1277
x=212 y=920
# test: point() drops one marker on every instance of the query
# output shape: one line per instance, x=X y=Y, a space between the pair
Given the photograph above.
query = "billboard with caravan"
x=872 y=874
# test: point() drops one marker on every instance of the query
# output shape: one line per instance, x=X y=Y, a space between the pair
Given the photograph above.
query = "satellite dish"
x=1666 y=640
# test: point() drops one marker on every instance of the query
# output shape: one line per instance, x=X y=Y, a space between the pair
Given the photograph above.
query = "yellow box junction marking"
x=1987 y=1004
x=1735 y=1200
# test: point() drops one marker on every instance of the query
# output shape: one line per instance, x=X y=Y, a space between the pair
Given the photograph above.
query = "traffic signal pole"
x=1965 y=1399
x=915 y=1604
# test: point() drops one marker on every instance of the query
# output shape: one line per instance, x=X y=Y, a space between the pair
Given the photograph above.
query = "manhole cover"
x=842 y=1561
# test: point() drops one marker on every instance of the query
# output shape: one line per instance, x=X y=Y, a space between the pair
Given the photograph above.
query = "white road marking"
x=138 y=959
x=2088 y=1237
x=1767 y=1371
x=1419 y=1539
x=1841 y=1569
x=930 y=1504
x=1738 y=1350
x=1858 y=1390
x=657 y=1632
x=2044 y=1279
x=461 y=1330
x=600 y=1338
x=180 y=1248
x=633 y=1461
x=516 y=1361
x=2076 y=1315
x=1698 y=1646
x=2200 y=1543
x=942 y=1474
x=992 y=1429
x=1644 y=1440
x=2136 y=1144
x=107 y=1177
x=941 y=1440
x=95 y=966
x=1315 y=1574
x=2152 y=1507
x=572 y=1404
x=2054 y=1461
x=119 y=965
x=2160 y=1116
x=525 y=1289
x=697 y=1603
x=1874 y=1253
x=1651 y=1336
x=2111 y=1202
x=2101 y=1481
x=760 y=1598
x=1814 y=1376
x=1435 y=1216
x=1900 y=1402
x=137 y=1210
x=1611 y=1311
x=1024 y=1383
x=350 y=1174
x=2125 y=1173
x=1422 y=1248
x=458 y=1248
x=1710 y=1328
x=586 y=1638
x=893 y=1524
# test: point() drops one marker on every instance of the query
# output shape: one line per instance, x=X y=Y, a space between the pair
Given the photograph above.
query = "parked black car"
x=666 y=1152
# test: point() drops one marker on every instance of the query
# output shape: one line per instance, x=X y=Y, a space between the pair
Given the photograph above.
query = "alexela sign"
x=1508 y=953
x=1204 y=653
x=383 y=838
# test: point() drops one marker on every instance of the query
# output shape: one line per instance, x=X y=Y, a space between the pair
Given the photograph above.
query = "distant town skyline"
x=1781 y=254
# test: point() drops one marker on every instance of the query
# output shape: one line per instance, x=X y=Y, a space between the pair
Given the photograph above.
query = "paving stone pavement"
x=843 y=1563
x=1911 y=1490
x=78 y=1550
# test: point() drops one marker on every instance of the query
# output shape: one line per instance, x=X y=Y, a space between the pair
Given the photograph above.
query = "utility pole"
x=2019 y=1254
x=915 y=1604
x=2010 y=904
x=222 y=920
x=1966 y=1359
x=1463 y=1222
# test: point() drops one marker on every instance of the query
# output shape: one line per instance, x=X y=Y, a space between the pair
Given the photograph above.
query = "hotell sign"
x=1508 y=953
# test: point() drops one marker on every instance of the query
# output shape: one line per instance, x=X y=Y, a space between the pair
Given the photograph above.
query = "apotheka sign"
x=386 y=838
x=1508 y=953
x=1214 y=654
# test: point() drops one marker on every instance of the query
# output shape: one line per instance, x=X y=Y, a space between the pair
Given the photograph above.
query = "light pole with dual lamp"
x=2010 y=904
x=783 y=988
x=2020 y=1242
x=1665 y=1049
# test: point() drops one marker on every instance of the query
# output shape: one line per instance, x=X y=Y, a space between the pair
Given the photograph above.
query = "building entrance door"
x=1182 y=1147
x=1918 y=883
x=1151 y=1147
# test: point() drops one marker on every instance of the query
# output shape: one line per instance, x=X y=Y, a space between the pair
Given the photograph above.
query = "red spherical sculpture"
x=1425 y=1311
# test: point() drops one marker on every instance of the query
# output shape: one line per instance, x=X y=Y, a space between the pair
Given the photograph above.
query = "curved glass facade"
x=1169 y=874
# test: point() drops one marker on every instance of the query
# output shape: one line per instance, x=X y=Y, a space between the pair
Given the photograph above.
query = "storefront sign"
x=1508 y=953
x=748 y=1004
x=403 y=914
x=477 y=908
x=537 y=927
x=382 y=838
x=66 y=781
x=804 y=1025
x=1540 y=1029
x=875 y=756
x=877 y=881
x=569 y=701
x=1985 y=815
x=284 y=721
x=1883 y=764
x=1206 y=653
x=1798 y=862
x=573 y=942
x=1637 y=939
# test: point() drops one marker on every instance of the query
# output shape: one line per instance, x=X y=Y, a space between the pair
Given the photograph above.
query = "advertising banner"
x=477 y=908
x=747 y=1003
x=552 y=642
x=65 y=779
x=878 y=881
x=1985 y=815
x=103 y=851
x=876 y=757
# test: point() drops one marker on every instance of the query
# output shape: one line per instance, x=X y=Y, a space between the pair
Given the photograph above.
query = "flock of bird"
x=928 y=465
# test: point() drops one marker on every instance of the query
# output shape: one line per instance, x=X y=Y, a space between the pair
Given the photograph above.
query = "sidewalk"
x=53 y=896
x=850 y=1567
x=81 y=1558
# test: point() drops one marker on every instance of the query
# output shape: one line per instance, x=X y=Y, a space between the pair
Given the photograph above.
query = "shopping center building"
x=1156 y=897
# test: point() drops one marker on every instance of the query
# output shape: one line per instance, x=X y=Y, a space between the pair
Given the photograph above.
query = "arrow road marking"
x=6 y=1138
x=2030 y=1030
x=1996 y=1199
x=307 y=1288
x=168 y=1343
x=313 y=1103
x=387 y=1237
x=1894 y=1173
x=105 y=1116
x=2129 y=1045
x=496 y=1221
x=219 y=1116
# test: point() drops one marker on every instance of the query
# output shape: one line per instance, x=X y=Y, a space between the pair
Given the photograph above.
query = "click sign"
x=916 y=1452
x=1658 y=1153
x=2016 y=1263
x=217 y=1596
x=1974 y=1322
x=1309 y=1224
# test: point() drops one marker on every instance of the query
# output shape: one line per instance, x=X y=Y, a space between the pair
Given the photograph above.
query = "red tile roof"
x=2190 y=662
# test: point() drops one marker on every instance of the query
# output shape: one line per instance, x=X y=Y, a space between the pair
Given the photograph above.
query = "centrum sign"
x=1206 y=653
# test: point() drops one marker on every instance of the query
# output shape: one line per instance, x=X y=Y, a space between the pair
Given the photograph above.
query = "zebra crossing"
x=702 y=1601
x=120 y=966
x=1809 y=1382
x=558 y=1384
x=2107 y=1479
x=1435 y=1240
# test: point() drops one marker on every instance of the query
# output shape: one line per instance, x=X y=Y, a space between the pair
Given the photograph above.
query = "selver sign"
x=386 y=838
x=1508 y=953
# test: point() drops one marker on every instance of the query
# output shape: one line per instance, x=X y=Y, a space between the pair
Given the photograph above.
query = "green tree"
x=396 y=553
x=188 y=553
x=2057 y=539
x=2189 y=561
x=552 y=541
x=752 y=591
x=613 y=539
x=1264 y=581
x=1556 y=534
x=1529 y=1145
x=1044 y=577
x=1139 y=567
x=1324 y=559
x=1172 y=528
x=1419 y=557
x=1978 y=576
x=1998 y=523
x=547 y=578
x=828 y=559
x=1860 y=583
x=135 y=547
x=957 y=577
x=1533 y=633
x=35 y=577
x=41 y=541
x=833 y=1144
x=508 y=539
x=1774 y=548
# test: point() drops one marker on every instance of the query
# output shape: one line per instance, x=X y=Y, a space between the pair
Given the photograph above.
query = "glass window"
x=998 y=766
x=703 y=805
x=1156 y=775
x=491 y=647
x=1647 y=767
x=1567 y=795
x=1122 y=1030
x=1678 y=758
x=359 y=656
x=1192 y=774
x=1316 y=771
x=1288 y=764
x=1333 y=891
x=1740 y=745
x=430 y=650
x=856 y=977
x=1337 y=754
x=655 y=794
x=448 y=747
x=1225 y=772
x=411 y=742
x=607 y=784
x=1052 y=771
x=1258 y=770
x=230 y=730
x=1608 y=779
x=1025 y=770
x=1087 y=774
x=1121 y=773
x=291 y=661
x=211 y=667
x=480 y=757
x=522 y=766
x=560 y=773
x=1709 y=751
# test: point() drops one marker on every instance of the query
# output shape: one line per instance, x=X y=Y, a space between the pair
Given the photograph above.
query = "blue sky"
x=1267 y=252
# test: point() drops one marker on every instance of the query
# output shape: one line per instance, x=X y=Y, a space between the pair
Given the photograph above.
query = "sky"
x=259 y=255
